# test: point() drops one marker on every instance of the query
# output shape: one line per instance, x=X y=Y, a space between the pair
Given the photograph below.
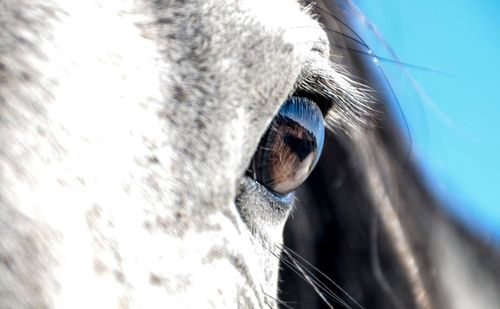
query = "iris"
x=290 y=148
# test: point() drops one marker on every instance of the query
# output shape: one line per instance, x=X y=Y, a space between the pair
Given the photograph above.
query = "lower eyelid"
x=250 y=187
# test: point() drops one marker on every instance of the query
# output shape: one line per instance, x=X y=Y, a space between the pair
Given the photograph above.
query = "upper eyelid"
x=345 y=103
x=313 y=71
x=322 y=47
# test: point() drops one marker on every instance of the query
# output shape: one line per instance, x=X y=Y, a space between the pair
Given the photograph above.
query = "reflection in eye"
x=289 y=150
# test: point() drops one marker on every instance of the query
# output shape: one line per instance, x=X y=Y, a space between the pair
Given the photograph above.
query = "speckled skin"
x=125 y=131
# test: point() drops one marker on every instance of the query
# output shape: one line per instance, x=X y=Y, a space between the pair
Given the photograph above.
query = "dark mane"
x=366 y=218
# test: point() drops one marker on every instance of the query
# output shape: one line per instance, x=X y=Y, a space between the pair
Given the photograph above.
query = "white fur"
x=122 y=200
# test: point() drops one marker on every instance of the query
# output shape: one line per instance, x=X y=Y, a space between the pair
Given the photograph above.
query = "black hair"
x=365 y=218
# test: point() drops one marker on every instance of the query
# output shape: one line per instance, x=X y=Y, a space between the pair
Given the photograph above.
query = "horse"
x=150 y=151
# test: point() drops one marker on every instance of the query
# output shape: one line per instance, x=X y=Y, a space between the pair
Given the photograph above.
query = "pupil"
x=291 y=147
x=302 y=148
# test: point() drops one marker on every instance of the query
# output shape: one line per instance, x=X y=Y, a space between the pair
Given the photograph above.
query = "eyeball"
x=291 y=146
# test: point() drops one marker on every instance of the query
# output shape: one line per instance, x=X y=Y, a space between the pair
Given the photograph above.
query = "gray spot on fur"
x=179 y=94
x=99 y=267
x=156 y=280
x=119 y=276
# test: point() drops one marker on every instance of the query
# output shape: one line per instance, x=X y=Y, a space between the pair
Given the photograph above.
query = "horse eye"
x=291 y=146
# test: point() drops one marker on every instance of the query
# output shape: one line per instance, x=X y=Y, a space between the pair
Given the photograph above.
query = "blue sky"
x=454 y=117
